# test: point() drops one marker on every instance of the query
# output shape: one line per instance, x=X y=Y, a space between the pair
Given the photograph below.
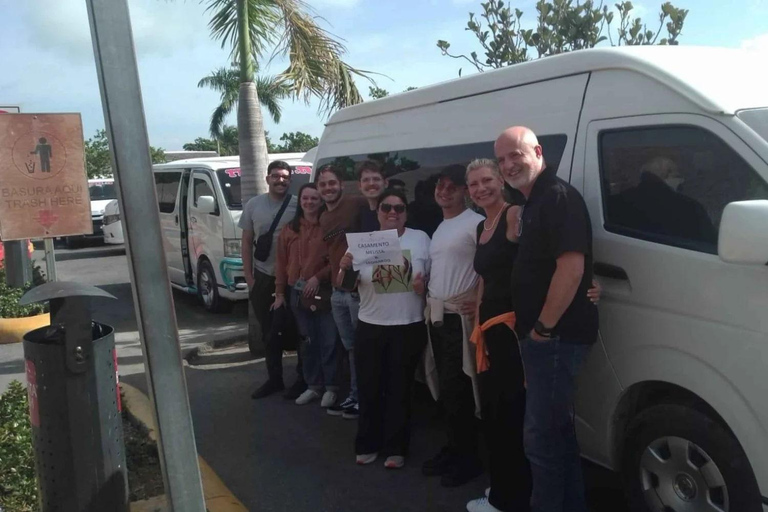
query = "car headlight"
x=111 y=219
x=232 y=247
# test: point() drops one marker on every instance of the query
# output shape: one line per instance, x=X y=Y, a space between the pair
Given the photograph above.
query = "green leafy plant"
x=9 y=298
x=18 y=489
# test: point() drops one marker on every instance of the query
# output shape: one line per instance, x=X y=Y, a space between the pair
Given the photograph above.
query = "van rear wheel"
x=208 y=290
x=678 y=459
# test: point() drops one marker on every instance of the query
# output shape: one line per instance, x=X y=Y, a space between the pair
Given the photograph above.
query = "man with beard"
x=342 y=216
x=372 y=183
x=258 y=216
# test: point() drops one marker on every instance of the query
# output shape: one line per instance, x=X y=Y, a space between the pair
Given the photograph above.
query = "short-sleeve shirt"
x=257 y=216
x=555 y=221
x=386 y=291
x=451 y=253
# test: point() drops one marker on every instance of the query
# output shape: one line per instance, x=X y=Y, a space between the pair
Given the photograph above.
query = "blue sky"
x=47 y=58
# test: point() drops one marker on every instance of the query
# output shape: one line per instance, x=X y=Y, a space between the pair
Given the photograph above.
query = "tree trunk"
x=253 y=143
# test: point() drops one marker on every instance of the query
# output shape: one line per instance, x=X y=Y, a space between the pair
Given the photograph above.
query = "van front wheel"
x=677 y=458
x=208 y=290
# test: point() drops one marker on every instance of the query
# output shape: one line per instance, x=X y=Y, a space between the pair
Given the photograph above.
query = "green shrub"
x=9 y=298
x=18 y=490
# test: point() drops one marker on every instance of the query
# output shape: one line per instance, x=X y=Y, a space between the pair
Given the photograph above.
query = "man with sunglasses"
x=451 y=299
x=258 y=214
x=556 y=321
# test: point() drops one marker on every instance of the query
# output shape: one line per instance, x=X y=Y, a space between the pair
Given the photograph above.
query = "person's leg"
x=369 y=365
x=404 y=347
x=353 y=307
x=262 y=297
x=326 y=334
x=344 y=323
x=456 y=390
x=550 y=440
x=309 y=347
x=508 y=467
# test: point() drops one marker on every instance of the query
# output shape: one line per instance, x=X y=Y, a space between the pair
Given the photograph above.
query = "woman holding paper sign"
x=390 y=338
x=302 y=266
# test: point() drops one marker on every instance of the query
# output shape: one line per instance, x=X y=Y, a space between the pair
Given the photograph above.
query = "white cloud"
x=757 y=44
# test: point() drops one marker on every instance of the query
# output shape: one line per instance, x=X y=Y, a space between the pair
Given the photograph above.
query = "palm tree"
x=315 y=68
x=226 y=81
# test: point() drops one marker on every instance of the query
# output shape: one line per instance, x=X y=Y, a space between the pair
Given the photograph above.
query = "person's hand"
x=419 y=284
x=467 y=308
x=346 y=262
x=250 y=281
x=535 y=336
x=279 y=302
x=595 y=292
x=311 y=287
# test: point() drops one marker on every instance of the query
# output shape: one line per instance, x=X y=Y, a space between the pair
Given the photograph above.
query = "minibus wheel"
x=679 y=459
x=208 y=289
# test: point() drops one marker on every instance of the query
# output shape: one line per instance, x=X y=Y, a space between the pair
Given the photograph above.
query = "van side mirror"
x=743 y=234
x=206 y=204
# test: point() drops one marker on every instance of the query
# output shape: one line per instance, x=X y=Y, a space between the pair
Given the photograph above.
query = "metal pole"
x=127 y=133
x=18 y=271
x=50 y=260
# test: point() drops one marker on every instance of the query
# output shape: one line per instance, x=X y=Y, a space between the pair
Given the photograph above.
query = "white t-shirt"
x=258 y=214
x=386 y=291
x=452 y=253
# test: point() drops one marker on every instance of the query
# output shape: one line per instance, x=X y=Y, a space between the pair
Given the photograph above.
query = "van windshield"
x=102 y=191
x=229 y=180
x=757 y=119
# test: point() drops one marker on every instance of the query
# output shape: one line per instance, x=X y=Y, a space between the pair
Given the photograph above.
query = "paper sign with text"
x=375 y=248
x=43 y=184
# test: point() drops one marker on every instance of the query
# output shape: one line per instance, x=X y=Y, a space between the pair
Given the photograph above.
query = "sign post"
x=127 y=133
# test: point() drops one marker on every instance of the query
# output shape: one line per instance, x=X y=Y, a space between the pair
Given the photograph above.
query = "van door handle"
x=610 y=271
x=177 y=220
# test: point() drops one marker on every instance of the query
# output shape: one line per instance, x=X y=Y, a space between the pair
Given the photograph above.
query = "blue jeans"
x=549 y=434
x=345 y=306
x=318 y=348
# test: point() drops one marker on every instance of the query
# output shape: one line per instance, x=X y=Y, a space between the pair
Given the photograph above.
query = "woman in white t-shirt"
x=390 y=338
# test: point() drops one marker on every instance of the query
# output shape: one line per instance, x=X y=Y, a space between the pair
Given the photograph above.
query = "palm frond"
x=270 y=91
x=262 y=18
x=217 y=120
x=339 y=90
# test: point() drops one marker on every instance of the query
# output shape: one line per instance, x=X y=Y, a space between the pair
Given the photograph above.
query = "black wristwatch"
x=539 y=329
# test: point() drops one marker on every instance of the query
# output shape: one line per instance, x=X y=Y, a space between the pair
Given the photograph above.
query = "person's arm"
x=513 y=223
x=480 y=287
x=562 y=289
x=246 y=253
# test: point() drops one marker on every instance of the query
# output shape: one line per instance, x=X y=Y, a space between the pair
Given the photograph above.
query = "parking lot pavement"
x=276 y=456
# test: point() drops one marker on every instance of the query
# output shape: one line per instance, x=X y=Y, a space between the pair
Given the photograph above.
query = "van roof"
x=218 y=162
x=719 y=80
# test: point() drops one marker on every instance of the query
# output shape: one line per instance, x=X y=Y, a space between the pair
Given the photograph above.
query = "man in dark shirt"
x=556 y=322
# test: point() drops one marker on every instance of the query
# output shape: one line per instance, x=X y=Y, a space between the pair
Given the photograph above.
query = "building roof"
x=719 y=80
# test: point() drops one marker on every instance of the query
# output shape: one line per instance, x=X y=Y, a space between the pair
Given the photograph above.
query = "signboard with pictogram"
x=43 y=184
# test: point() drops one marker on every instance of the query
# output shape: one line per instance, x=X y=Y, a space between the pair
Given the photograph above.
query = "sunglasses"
x=386 y=207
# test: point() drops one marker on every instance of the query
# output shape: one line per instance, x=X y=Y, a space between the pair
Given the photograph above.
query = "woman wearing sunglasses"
x=390 y=338
x=302 y=267
x=499 y=364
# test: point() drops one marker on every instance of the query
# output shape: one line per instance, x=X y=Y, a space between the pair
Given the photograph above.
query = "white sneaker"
x=329 y=399
x=366 y=458
x=488 y=492
x=394 y=462
x=307 y=396
x=481 y=505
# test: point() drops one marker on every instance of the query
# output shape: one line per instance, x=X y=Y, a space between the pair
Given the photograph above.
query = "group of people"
x=498 y=309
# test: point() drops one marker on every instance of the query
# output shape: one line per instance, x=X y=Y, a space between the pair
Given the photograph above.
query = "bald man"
x=556 y=322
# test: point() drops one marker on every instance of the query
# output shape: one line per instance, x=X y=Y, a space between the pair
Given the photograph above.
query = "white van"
x=675 y=393
x=200 y=206
x=102 y=191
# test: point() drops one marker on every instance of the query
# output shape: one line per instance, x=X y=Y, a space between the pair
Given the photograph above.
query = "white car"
x=102 y=191
x=200 y=205
x=675 y=391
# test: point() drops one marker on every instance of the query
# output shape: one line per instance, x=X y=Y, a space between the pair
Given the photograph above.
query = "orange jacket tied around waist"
x=478 y=337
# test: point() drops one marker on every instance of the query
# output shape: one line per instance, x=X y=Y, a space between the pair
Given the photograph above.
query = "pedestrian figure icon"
x=45 y=152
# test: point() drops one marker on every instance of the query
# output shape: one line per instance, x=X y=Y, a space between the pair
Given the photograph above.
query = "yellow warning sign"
x=43 y=183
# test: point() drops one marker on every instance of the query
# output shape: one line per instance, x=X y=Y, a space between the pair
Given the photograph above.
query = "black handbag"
x=319 y=302
x=263 y=244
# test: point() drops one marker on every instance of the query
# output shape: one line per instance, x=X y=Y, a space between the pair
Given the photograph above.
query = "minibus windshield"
x=229 y=179
x=757 y=119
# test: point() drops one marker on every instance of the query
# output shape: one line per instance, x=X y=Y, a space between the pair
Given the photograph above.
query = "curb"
x=191 y=353
x=218 y=498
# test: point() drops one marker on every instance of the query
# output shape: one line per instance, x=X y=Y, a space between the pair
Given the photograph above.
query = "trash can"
x=74 y=404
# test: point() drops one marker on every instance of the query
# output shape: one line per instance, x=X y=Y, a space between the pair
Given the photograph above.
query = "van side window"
x=201 y=188
x=167 y=187
x=416 y=166
x=670 y=184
